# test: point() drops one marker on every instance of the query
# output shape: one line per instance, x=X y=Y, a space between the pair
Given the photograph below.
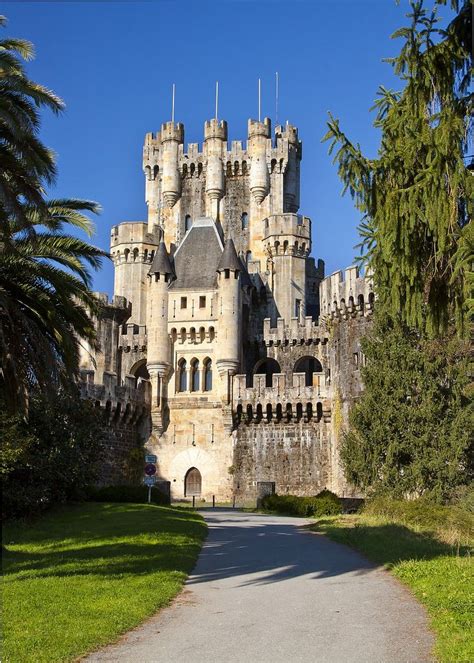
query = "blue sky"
x=114 y=63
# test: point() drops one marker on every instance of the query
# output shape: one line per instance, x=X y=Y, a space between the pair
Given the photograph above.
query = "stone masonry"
x=244 y=358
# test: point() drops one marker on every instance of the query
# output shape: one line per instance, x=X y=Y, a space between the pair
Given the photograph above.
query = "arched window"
x=245 y=220
x=135 y=254
x=194 y=375
x=182 y=375
x=248 y=257
x=267 y=367
x=207 y=375
x=188 y=222
x=126 y=254
x=308 y=365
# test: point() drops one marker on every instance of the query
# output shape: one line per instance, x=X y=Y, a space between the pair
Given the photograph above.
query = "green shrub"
x=324 y=504
x=136 y=494
x=50 y=458
x=454 y=524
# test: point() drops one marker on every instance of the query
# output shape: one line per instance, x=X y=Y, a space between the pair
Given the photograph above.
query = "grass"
x=439 y=574
x=81 y=575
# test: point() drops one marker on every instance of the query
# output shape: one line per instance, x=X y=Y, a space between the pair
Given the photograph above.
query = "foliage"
x=45 y=297
x=410 y=430
x=453 y=524
x=325 y=503
x=417 y=196
x=137 y=494
x=410 y=539
x=53 y=457
x=82 y=575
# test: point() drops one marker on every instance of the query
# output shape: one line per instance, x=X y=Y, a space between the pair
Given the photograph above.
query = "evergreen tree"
x=417 y=196
x=411 y=431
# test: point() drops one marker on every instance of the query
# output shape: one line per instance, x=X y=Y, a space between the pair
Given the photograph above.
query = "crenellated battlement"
x=289 y=399
x=346 y=294
x=287 y=234
x=126 y=403
x=295 y=332
x=133 y=338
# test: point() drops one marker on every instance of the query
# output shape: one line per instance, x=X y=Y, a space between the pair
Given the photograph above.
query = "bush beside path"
x=81 y=575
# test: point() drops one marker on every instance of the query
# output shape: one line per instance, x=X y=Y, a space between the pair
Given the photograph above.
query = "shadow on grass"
x=101 y=539
x=390 y=543
x=91 y=540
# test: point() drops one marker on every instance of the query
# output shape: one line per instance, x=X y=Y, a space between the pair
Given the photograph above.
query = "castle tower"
x=287 y=240
x=158 y=351
x=132 y=247
x=215 y=142
x=151 y=168
x=229 y=330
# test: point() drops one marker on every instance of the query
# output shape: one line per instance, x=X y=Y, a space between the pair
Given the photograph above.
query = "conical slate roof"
x=229 y=258
x=161 y=262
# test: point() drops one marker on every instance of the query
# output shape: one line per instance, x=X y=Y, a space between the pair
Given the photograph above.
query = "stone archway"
x=193 y=483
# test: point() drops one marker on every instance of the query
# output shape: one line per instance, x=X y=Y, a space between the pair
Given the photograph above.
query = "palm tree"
x=46 y=302
x=26 y=164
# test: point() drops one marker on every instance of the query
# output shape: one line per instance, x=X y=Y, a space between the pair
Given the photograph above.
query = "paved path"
x=264 y=590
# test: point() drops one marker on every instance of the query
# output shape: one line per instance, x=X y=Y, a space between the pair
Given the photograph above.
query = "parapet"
x=277 y=226
x=134 y=232
x=215 y=129
x=288 y=132
x=172 y=131
x=117 y=307
x=344 y=294
x=294 y=333
x=288 y=399
x=257 y=128
x=126 y=403
x=133 y=338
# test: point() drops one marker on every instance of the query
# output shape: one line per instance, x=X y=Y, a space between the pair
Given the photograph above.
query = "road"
x=267 y=590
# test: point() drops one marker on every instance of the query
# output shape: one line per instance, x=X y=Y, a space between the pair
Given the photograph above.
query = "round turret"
x=215 y=135
x=258 y=134
x=172 y=135
x=228 y=270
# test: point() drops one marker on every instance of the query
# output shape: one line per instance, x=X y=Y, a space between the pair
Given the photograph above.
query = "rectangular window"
x=202 y=302
x=356 y=359
x=184 y=302
x=298 y=308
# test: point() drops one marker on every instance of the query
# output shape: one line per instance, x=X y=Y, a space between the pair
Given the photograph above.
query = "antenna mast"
x=276 y=97
x=217 y=96
x=259 y=99
x=172 y=103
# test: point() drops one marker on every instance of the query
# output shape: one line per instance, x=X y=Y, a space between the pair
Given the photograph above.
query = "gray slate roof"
x=161 y=261
x=197 y=257
x=229 y=258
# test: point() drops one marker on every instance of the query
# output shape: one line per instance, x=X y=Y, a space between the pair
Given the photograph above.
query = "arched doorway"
x=192 y=483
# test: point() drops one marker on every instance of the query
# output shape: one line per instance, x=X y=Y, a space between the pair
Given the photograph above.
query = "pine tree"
x=417 y=196
x=410 y=433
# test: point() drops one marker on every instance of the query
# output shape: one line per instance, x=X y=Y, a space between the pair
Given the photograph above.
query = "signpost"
x=150 y=471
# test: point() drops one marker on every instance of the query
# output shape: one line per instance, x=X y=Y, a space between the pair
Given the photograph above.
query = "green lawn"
x=81 y=575
x=440 y=575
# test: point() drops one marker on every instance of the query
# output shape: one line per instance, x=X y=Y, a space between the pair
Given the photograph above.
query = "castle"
x=225 y=350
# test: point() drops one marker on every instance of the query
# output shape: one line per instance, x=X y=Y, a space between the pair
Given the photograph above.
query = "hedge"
x=325 y=503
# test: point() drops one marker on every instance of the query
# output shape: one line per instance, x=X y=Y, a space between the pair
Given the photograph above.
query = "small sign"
x=150 y=469
x=149 y=481
x=151 y=458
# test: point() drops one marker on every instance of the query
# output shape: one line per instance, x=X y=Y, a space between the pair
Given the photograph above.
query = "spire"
x=229 y=258
x=161 y=262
